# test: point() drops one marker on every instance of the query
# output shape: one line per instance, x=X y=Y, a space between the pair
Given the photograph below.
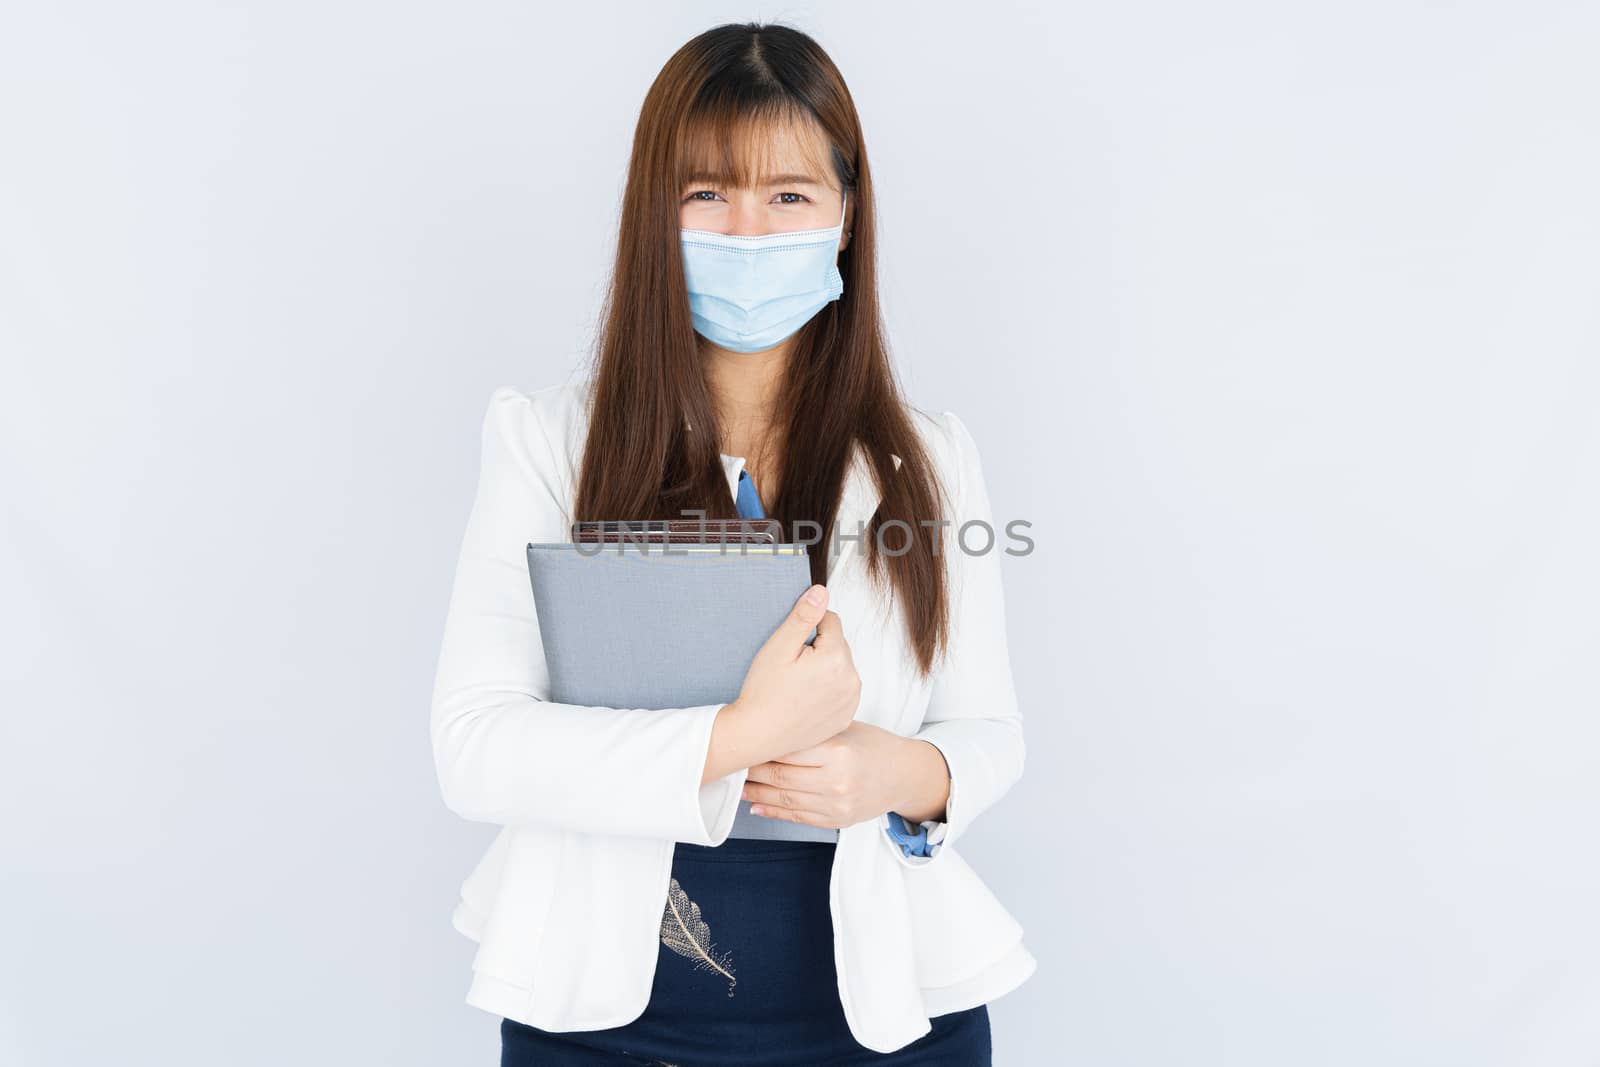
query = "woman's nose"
x=746 y=219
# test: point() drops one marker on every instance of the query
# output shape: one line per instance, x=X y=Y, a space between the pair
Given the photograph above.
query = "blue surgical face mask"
x=749 y=293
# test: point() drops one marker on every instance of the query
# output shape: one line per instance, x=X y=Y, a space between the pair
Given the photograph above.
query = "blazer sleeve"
x=972 y=716
x=504 y=752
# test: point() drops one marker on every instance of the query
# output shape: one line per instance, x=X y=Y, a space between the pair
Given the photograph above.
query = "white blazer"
x=566 y=903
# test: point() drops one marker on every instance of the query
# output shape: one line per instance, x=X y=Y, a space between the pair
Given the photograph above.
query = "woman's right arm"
x=505 y=753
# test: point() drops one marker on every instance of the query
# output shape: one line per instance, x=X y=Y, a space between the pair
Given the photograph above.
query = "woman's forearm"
x=926 y=780
x=735 y=744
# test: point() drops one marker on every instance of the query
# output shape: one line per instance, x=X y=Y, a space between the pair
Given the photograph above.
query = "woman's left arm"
x=972 y=718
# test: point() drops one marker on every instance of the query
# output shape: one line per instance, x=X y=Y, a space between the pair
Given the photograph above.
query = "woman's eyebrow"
x=705 y=177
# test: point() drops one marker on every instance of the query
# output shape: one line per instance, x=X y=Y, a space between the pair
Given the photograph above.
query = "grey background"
x=1277 y=321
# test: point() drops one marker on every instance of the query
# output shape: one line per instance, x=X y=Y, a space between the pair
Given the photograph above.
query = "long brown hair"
x=653 y=444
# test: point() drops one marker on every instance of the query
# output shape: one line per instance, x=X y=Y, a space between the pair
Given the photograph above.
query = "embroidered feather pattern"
x=687 y=934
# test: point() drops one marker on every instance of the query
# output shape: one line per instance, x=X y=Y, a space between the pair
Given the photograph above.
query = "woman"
x=741 y=370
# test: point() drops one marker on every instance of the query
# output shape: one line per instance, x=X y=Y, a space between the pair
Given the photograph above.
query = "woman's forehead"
x=751 y=152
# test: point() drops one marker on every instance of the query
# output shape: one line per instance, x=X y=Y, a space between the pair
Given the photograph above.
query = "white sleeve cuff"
x=719 y=804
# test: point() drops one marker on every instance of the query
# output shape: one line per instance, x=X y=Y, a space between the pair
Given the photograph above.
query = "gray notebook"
x=628 y=625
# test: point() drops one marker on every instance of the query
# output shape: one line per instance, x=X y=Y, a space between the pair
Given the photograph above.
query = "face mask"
x=749 y=293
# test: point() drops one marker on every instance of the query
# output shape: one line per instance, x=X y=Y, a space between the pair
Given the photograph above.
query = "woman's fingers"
x=808 y=611
x=823 y=808
x=829 y=631
x=810 y=818
x=795 y=777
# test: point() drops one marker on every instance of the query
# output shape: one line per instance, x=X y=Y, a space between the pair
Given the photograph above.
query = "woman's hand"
x=794 y=694
x=855 y=775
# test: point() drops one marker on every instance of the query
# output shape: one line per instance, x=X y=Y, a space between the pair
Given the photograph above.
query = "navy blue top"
x=912 y=838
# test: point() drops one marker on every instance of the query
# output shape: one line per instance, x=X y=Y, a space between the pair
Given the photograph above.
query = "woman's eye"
x=702 y=194
x=798 y=198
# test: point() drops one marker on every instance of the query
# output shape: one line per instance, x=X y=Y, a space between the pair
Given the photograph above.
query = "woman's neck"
x=744 y=388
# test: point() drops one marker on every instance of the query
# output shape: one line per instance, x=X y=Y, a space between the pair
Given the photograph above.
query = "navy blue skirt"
x=745 y=977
